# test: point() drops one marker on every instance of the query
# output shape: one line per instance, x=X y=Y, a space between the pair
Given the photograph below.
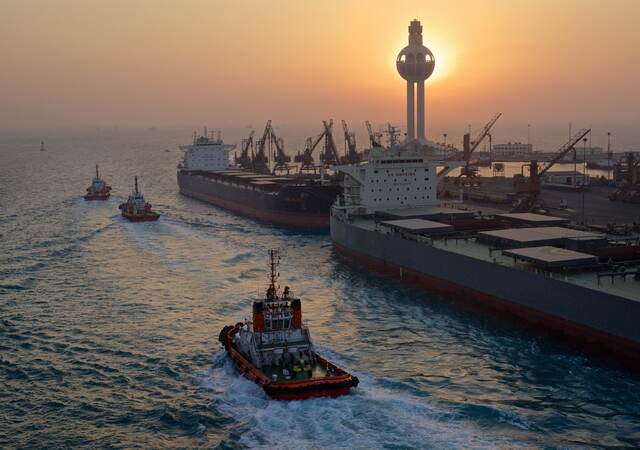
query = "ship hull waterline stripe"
x=594 y=341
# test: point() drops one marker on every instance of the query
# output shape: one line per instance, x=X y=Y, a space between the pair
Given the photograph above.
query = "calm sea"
x=108 y=330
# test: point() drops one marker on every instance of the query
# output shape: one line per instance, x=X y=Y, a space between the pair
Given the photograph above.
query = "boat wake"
x=372 y=416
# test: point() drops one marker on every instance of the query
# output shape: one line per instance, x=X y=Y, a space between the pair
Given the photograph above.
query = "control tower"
x=415 y=64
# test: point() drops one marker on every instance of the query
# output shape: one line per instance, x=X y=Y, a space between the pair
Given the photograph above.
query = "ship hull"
x=150 y=217
x=600 y=323
x=303 y=206
x=333 y=386
x=90 y=197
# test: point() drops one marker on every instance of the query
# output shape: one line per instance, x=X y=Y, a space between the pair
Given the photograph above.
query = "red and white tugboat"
x=136 y=209
x=99 y=190
x=275 y=349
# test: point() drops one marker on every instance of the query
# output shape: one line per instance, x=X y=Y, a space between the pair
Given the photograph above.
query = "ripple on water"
x=107 y=329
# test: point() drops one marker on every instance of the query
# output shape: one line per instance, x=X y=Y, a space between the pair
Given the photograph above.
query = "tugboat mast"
x=273 y=263
x=97 y=174
x=136 y=183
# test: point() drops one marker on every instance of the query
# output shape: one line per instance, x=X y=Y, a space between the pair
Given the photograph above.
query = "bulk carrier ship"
x=253 y=189
x=536 y=268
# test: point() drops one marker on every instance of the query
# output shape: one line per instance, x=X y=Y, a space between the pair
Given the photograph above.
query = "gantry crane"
x=374 y=138
x=260 y=161
x=244 y=160
x=306 y=160
x=528 y=189
x=352 y=156
x=281 y=159
x=329 y=155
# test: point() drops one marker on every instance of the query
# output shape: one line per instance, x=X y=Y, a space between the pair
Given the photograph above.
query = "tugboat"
x=99 y=190
x=275 y=350
x=136 y=209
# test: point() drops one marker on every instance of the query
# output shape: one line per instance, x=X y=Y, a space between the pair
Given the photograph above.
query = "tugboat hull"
x=152 y=217
x=330 y=386
x=97 y=196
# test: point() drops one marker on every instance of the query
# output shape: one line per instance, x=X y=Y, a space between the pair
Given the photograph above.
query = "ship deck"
x=265 y=181
x=596 y=276
x=276 y=374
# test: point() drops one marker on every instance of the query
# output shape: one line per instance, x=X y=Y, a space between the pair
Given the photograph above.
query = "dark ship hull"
x=604 y=323
x=289 y=201
x=146 y=217
x=329 y=386
x=97 y=196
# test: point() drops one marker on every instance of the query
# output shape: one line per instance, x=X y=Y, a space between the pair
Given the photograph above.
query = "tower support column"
x=420 y=116
x=410 y=112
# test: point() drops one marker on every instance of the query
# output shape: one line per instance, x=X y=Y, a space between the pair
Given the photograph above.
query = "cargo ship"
x=275 y=350
x=535 y=268
x=300 y=200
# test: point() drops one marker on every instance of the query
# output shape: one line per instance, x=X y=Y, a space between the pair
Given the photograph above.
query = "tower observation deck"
x=415 y=63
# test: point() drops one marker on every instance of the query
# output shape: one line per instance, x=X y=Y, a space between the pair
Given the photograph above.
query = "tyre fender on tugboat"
x=224 y=334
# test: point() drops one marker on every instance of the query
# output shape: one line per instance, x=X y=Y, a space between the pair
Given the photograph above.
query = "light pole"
x=584 y=159
x=490 y=150
x=528 y=134
x=444 y=135
x=609 y=156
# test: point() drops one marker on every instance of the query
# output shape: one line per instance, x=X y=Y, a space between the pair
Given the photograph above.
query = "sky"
x=77 y=63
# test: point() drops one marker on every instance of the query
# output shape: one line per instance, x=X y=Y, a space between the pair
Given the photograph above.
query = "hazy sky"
x=68 y=63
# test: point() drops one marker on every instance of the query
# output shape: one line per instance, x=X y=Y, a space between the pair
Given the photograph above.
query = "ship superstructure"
x=206 y=153
x=275 y=350
x=402 y=176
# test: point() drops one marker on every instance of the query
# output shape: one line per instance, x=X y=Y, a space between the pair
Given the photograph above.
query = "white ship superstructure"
x=206 y=153
x=405 y=176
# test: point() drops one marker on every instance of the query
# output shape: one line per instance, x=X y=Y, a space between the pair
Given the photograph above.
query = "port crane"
x=306 y=160
x=470 y=146
x=329 y=155
x=281 y=159
x=352 y=156
x=260 y=161
x=374 y=138
x=528 y=190
x=245 y=160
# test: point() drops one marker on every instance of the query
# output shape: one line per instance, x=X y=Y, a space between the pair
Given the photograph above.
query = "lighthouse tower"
x=415 y=64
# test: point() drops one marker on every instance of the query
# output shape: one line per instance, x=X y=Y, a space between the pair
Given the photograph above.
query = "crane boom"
x=373 y=140
x=480 y=137
x=244 y=160
x=263 y=141
x=349 y=137
x=260 y=160
x=566 y=148
x=330 y=155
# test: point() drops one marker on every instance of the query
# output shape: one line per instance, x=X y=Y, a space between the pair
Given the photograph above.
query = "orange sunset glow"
x=84 y=63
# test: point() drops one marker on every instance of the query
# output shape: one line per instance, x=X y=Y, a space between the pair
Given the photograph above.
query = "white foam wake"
x=371 y=417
